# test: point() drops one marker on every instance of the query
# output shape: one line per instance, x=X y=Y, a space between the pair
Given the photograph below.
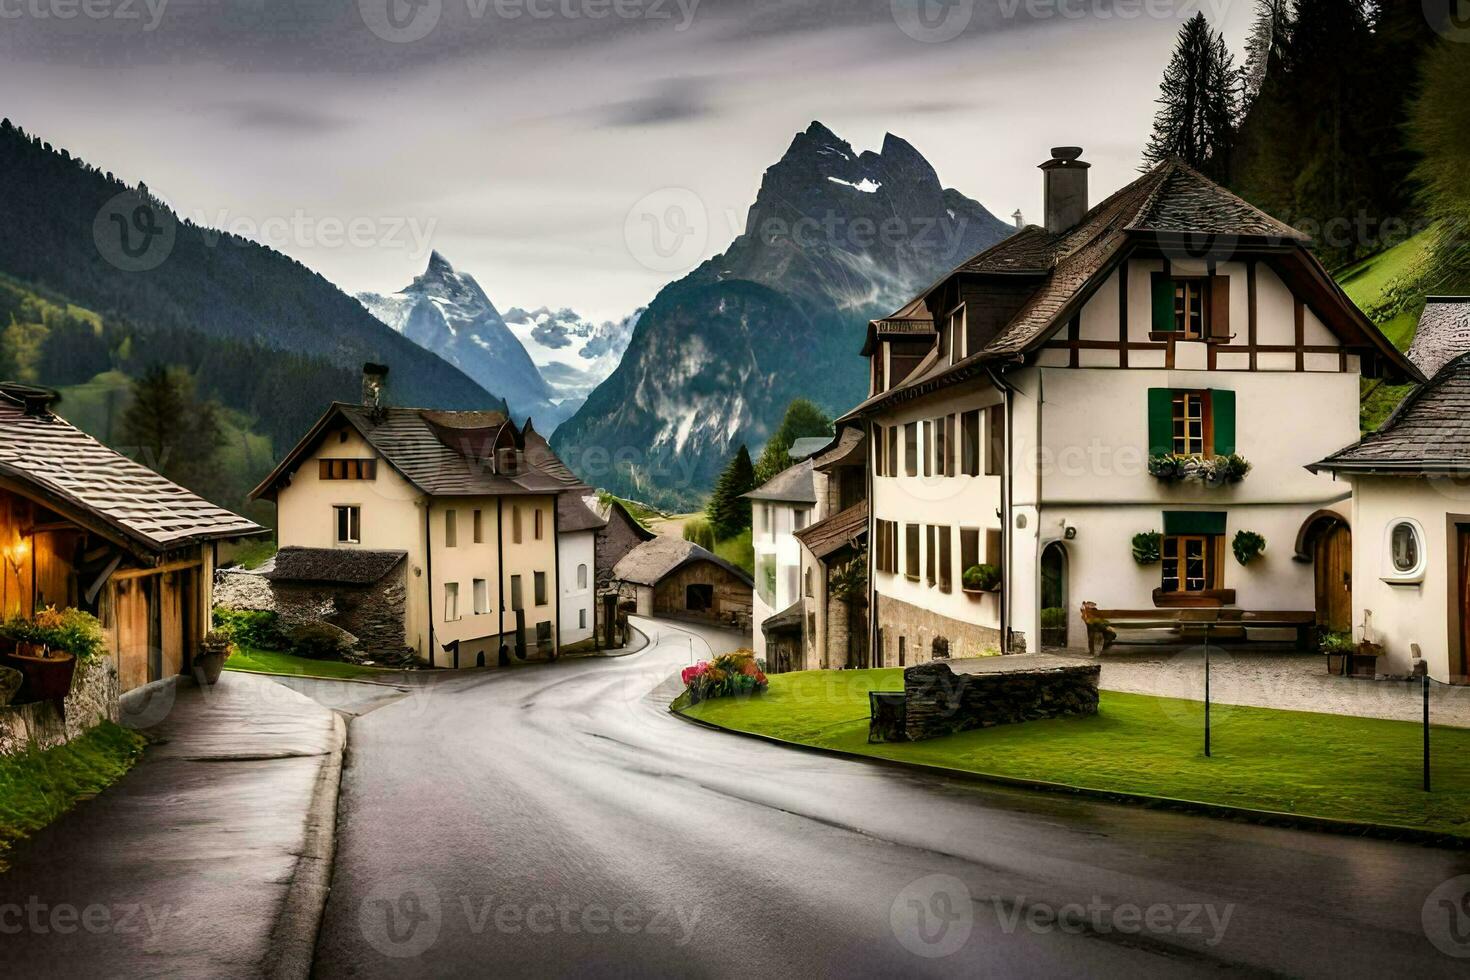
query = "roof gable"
x=1428 y=433
x=1443 y=333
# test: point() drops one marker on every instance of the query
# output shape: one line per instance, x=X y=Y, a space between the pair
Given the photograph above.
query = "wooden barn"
x=83 y=526
x=669 y=576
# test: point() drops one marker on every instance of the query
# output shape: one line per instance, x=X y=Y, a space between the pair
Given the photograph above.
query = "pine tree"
x=173 y=432
x=728 y=511
x=1199 y=100
x=802 y=419
x=1265 y=44
x=1439 y=129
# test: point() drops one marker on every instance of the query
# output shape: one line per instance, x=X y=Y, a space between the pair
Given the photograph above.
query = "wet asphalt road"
x=557 y=821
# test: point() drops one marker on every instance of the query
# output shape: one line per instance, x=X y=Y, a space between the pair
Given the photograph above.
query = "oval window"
x=1405 y=547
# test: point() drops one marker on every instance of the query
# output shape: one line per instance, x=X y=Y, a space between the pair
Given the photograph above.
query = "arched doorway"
x=1326 y=540
x=1054 y=595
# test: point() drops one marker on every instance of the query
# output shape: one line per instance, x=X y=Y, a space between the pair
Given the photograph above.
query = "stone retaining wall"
x=93 y=699
x=937 y=701
x=925 y=631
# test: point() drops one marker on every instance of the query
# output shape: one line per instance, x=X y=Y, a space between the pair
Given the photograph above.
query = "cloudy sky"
x=521 y=138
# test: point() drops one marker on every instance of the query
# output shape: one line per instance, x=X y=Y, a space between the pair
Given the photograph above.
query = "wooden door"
x=1461 y=672
x=1334 y=567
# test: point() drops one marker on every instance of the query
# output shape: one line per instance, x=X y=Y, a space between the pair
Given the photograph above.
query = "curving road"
x=556 y=820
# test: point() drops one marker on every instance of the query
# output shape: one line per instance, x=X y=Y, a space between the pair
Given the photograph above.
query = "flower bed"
x=729 y=675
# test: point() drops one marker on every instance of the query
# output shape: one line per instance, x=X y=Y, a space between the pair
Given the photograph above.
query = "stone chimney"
x=1019 y=219
x=374 y=383
x=1066 y=188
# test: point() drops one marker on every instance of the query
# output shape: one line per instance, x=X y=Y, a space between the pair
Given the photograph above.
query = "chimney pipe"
x=374 y=380
x=1066 y=188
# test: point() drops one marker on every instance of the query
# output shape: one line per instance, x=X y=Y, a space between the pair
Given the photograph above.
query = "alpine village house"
x=1118 y=408
x=477 y=540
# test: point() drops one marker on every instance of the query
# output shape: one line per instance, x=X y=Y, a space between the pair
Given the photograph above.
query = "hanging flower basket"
x=1248 y=546
x=1146 y=546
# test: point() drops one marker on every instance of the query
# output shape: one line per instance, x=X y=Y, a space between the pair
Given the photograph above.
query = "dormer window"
x=956 y=337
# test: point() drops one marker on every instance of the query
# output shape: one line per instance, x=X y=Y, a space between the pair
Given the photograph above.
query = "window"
x=1190 y=420
x=995 y=447
x=994 y=554
x=946 y=559
x=969 y=549
x=1190 y=563
x=515 y=593
x=901 y=650
x=765 y=579
x=540 y=519
x=927 y=447
x=451 y=601
x=581 y=619
x=349 y=523
x=911 y=551
x=482 y=597
x=807 y=583
x=1405 y=555
x=543 y=636
x=582 y=576
x=931 y=556
x=880 y=465
x=451 y=528
x=885 y=556
x=479 y=527
x=347 y=469
x=941 y=445
x=515 y=523
x=911 y=449
x=957 y=334
x=970 y=443
x=798 y=519
x=1190 y=308
x=892 y=450
x=540 y=588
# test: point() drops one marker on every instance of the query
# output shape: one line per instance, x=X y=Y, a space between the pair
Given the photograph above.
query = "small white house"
x=576 y=535
x=780 y=507
x=1411 y=510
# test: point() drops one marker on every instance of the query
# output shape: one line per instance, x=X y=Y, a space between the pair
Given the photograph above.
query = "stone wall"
x=611 y=543
x=732 y=595
x=93 y=699
x=920 y=629
x=938 y=701
x=373 y=614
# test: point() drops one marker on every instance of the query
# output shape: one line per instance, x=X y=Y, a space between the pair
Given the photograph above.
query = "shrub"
x=319 y=641
x=74 y=631
x=736 y=674
x=701 y=532
x=985 y=578
x=1146 y=547
x=1336 y=642
x=1053 y=618
x=256 y=628
x=1247 y=546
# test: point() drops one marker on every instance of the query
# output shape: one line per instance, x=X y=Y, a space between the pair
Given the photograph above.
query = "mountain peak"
x=438 y=264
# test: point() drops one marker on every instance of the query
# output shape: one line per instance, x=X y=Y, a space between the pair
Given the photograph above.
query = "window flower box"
x=1212 y=471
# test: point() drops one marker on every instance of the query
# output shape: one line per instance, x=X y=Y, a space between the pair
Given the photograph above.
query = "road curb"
x=1270 y=818
x=294 y=935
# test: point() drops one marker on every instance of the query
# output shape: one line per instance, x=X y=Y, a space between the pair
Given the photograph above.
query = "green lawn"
x=38 y=787
x=274 y=662
x=1319 y=765
x=738 y=551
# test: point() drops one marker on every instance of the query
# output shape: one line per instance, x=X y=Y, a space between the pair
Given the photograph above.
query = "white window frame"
x=481 y=596
x=1391 y=572
x=451 y=602
x=354 y=520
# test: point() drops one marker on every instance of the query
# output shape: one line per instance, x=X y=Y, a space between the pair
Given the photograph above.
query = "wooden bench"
x=1190 y=624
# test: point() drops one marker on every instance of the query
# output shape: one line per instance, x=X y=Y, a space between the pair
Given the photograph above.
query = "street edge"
x=1270 y=818
x=294 y=935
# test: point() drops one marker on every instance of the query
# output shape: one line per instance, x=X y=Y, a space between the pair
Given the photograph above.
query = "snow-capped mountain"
x=573 y=355
x=447 y=312
x=835 y=237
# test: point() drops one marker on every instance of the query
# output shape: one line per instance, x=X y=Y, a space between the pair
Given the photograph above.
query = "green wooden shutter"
x=1222 y=410
x=1163 y=304
x=1160 y=421
x=1194 y=522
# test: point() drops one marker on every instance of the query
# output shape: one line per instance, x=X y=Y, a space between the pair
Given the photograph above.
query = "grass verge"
x=256 y=661
x=38 y=787
x=1361 y=770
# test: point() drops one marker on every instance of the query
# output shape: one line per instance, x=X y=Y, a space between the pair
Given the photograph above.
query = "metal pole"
x=1207 y=690
x=1425 y=686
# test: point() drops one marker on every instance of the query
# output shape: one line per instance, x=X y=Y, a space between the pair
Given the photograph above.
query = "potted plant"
x=209 y=662
x=1247 y=546
x=1053 y=626
x=1146 y=547
x=49 y=647
x=1338 y=646
x=1365 y=658
x=981 y=578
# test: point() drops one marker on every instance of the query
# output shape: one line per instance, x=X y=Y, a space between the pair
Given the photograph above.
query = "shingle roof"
x=787 y=620
x=81 y=478
x=837 y=531
x=662 y=555
x=345 y=566
x=849 y=448
x=1428 y=433
x=1443 y=333
x=573 y=514
x=442 y=453
x=792 y=485
x=1171 y=199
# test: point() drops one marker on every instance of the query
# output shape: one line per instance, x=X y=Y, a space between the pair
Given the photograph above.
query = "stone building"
x=669 y=576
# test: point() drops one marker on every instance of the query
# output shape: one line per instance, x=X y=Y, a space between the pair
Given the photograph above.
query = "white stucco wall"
x=577 y=604
x=1427 y=612
x=772 y=540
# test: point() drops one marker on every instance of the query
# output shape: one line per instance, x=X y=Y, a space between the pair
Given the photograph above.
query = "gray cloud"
x=681 y=99
x=288 y=119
